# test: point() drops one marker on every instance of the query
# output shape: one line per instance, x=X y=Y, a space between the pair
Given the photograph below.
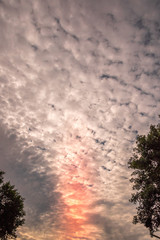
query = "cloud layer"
x=79 y=80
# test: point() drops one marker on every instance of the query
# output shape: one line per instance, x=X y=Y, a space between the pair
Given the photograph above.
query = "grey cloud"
x=61 y=28
x=35 y=48
x=110 y=62
x=101 y=142
x=148 y=54
x=109 y=225
x=139 y=24
x=147 y=38
x=110 y=18
x=26 y=169
x=104 y=202
x=103 y=76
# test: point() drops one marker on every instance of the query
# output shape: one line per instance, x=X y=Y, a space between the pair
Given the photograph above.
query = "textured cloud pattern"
x=79 y=80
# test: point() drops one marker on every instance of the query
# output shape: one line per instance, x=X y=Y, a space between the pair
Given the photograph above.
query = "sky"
x=79 y=80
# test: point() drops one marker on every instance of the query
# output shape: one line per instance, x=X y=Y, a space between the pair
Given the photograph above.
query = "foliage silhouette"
x=11 y=210
x=146 y=179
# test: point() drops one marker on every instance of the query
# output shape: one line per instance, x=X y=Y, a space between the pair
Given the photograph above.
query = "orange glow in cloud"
x=77 y=196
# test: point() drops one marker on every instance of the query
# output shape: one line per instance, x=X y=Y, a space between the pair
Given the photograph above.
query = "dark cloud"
x=106 y=76
x=26 y=168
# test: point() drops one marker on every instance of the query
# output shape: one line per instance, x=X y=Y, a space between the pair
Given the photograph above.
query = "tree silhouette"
x=11 y=209
x=146 y=179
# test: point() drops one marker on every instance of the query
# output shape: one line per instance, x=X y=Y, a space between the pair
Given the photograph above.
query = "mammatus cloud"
x=79 y=80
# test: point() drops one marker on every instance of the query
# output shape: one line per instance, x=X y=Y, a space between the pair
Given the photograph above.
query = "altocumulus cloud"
x=78 y=81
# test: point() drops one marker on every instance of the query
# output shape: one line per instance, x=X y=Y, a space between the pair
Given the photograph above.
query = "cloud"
x=79 y=80
x=28 y=171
